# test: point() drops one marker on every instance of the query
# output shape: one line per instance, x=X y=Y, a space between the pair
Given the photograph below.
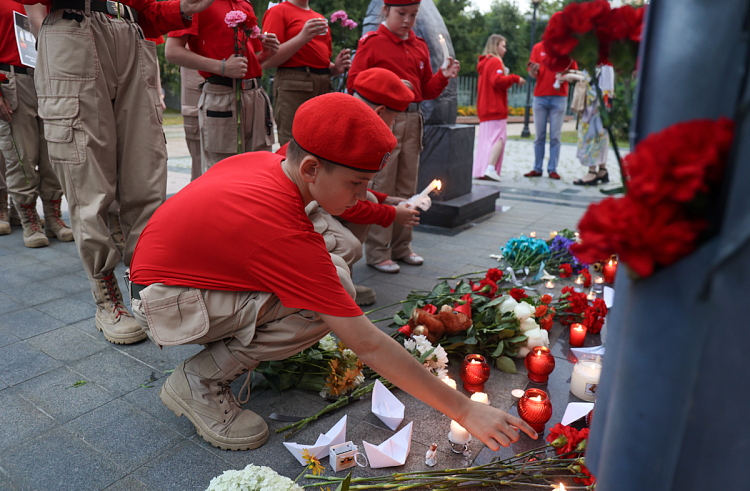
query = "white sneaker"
x=491 y=173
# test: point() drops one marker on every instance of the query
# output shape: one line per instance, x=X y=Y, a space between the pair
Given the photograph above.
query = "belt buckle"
x=118 y=9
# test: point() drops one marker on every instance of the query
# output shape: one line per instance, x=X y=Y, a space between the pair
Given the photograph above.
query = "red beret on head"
x=344 y=130
x=401 y=3
x=383 y=87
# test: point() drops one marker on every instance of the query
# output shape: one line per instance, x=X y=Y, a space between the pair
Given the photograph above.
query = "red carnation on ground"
x=494 y=274
x=517 y=294
x=565 y=270
x=594 y=316
x=586 y=278
x=546 y=299
x=487 y=288
x=546 y=321
x=540 y=311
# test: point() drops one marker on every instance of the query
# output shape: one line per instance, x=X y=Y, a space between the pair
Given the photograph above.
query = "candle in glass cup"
x=598 y=284
x=550 y=284
x=577 y=334
x=610 y=270
x=533 y=234
x=474 y=372
x=480 y=397
x=585 y=378
x=578 y=284
x=450 y=382
x=458 y=434
x=539 y=363
x=535 y=408
x=591 y=295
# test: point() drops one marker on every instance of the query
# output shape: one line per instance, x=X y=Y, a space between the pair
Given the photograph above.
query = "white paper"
x=576 y=411
x=386 y=407
x=319 y=449
x=391 y=452
x=25 y=41
x=594 y=350
x=609 y=296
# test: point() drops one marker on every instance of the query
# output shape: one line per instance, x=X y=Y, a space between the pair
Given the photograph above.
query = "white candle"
x=550 y=284
x=592 y=295
x=480 y=397
x=585 y=379
x=578 y=284
x=516 y=394
x=598 y=284
x=450 y=382
x=435 y=184
x=446 y=54
x=458 y=434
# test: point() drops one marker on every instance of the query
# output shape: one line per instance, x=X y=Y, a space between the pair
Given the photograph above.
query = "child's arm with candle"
x=384 y=355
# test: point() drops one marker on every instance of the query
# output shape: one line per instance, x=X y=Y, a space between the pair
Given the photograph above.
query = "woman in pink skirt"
x=492 y=107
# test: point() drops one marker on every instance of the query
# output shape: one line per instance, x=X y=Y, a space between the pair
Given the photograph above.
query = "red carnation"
x=517 y=294
x=540 y=311
x=586 y=278
x=487 y=288
x=546 y=321
x=546 y=299
x=589 y=480
x=494 y=274
x=430 y=309
x=3 y=78
x=594 y=316
x=565 y=270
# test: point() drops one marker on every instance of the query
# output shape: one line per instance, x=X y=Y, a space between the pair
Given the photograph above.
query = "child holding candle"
x=492 y=108
x=395 y=47
x=275 y=290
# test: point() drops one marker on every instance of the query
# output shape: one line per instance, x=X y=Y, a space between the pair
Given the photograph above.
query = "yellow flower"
x=312 y=463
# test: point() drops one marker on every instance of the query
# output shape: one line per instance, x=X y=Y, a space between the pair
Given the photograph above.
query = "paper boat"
x=391 y=452
x=334 y=436
x=576 y=411
x=386 y=407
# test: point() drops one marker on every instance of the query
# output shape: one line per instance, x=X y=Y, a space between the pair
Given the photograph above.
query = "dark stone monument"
x=448 y=152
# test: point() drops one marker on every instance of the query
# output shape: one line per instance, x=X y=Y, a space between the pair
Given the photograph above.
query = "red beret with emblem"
x=383 y=88
x=401 y=3
x=342 y=129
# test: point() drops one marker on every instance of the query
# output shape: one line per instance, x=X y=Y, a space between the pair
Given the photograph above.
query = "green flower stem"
x=460 y=275
x=386 y=306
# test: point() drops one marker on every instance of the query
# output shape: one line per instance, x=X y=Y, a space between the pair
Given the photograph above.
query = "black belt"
x=108 y=7
x=15 y=68
x=319 y=71
x=135 y=290
x=228 y=82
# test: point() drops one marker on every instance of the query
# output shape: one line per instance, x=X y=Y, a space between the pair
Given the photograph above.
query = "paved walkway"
x=113 y=433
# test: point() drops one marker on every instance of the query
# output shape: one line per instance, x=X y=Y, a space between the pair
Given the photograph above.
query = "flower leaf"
x=441 y=289
x=517 y=339
x=505 y=364
x=344 y=486
x=426 y=355
x=499 y=350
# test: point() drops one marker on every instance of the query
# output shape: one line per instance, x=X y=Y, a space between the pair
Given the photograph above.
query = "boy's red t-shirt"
x=286 y=20
x=8 y=49
x=546 y=78
x=211 y=37
x=242 y=227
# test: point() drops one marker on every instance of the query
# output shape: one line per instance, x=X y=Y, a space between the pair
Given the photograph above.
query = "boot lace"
x=118 y=309
x=30 y=212
x=57 y=212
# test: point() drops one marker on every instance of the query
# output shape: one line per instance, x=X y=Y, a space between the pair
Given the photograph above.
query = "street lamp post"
x=525 y=133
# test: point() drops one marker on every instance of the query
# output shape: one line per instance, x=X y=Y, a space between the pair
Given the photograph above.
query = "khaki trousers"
x=3 y=185
x=291 y=89
x=398 y=178
x=254 y=326
x=217 y=118
x=190 y=95
x=32 y=176
x=100 y=101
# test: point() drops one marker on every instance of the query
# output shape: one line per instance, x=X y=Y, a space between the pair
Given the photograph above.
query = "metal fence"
x=467 y=93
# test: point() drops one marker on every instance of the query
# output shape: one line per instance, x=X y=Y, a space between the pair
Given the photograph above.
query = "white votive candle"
x=458 y=434
x=585 y=379
x=550 y=284
x=578 y=287
x=444 y=47
x=450 y=382
x=480 y=397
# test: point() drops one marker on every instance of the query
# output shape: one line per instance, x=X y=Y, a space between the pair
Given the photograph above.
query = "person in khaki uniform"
x=212 y=53
x=96 y=82
x=394 y=46
x=303 y=60
x=274 y=290
x=190 y=94
x=4 y=211
x=28 y=171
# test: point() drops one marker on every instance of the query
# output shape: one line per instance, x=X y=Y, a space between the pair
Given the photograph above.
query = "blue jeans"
x=552 y=108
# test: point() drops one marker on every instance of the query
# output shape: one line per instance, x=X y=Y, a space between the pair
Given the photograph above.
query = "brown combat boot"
x=365 y=295
x=112 y=318
x=115 y=230
x=15 y=219
x=53 y=222
x=4 y=215
x=33 y=233
x=199 y=389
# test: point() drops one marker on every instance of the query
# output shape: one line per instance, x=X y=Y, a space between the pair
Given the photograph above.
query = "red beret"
x=342 y=129
x=401 y=3
x=383 y=87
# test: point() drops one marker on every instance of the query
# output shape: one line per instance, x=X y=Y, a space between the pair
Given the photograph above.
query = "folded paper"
x=594 y=350
x=391 y=452
x=334 y=436
x=609 y=296
x=576 y=411
x=386 y=407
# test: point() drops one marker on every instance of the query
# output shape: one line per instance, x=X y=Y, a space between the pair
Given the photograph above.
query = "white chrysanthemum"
x=440 y=355
x=350 y=356
x=410 y=345
x=252 y=478
x=329 y=343
x=441 y=373
x=423 y=345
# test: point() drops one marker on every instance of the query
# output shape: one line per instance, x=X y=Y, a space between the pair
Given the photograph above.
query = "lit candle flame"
x=532 y=234
x=439 y=185
x=562 y=487
x=539 y=353
x=441 y=36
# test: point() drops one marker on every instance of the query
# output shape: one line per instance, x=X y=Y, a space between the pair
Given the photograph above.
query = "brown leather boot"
x=15 y=219
x=33 y=233
x=53 y=222
x=4 y=215
x=199 y=389
x=112 y=318
x=115 y=230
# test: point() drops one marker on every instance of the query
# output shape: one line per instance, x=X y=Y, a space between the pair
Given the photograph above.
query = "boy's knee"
x=345 y=276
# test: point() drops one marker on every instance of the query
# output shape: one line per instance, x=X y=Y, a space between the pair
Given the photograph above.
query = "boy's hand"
x=270 y=44
x=521 y=82
x=493 y=426
x=452 y=69
x=314 y=27
x=235 y=67
x=408 y=217
x=343 y=62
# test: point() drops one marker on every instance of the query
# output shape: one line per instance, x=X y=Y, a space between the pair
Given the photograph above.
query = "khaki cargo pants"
x=190 y=94
x=96 y=79
x=254 y=326
x=291 y=89
x=217 y=119
x=36 y=178
x=398 y=178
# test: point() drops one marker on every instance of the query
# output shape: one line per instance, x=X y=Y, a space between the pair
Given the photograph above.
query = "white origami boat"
x=392 y=452
x=334 y=436
x=386 y=407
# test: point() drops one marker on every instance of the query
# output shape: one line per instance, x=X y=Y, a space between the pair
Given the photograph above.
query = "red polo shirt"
x=8 y=49
x=254 y=236
x=286 y=20
x=409 y=59
x=546 y=78
x=211 y=37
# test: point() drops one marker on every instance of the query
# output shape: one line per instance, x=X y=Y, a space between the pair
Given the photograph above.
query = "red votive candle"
x=535 y=408
x=610 y=270
x=577 y=334
x=474 y=372
x=540 y=363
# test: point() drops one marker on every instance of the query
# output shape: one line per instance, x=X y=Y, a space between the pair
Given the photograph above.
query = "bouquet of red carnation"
x=671 y=176
x=572 y=443
x=619 y=35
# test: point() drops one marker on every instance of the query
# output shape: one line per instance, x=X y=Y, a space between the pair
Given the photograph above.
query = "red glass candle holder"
x=540 y=363
x=474 y=372
x=535 y=408
x=577 y=334
x=610 y=270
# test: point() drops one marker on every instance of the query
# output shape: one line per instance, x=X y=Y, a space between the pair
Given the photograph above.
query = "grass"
x=172 y=117
x=570 y=137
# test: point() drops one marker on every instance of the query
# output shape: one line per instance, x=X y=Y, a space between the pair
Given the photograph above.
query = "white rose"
x=507 y=305
x=537 y=337
x=523 y=311
x=523 y=352
x=528 y=325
